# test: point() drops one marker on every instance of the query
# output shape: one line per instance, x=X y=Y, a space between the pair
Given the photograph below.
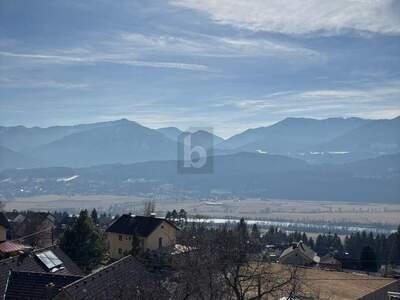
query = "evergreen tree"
x=182 y=215
x=242 y=229
x=368 y=260
x=304 y=237
x=336 y=244
x=82 y=243
x=394 y=247
x=311 y=243
x=174 y=215
x=255 y=233
x=95 y=218
x=319 y=247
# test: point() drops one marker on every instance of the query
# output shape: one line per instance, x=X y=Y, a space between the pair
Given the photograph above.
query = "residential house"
x=123 y=279
x=36 y=286
x=119 y=280
x=11 y=248
x=299 y=254
x=8 y=248
x=36 y=229
x=14 y=216
x=151 y=233
x=329 y=262
x=51 y=260
x=4 y=226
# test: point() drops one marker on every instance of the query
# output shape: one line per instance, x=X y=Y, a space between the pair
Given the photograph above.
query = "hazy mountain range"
x=285 y=160
x=331 y=140
x=241 y=174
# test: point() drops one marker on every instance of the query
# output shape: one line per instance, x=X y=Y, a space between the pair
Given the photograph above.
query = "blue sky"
x=229 y=65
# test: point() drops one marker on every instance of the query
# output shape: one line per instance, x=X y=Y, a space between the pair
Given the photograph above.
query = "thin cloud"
x=58 y=59
x=137 y=49
x=44 y=57
x=209 y=45
x=303 y=16
x=382 y=97
x=17 y=82
x=167 y=65
x=103 y=58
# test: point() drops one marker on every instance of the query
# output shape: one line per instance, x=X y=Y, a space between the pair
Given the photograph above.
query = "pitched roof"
x=30 y=285
x=10 y=247
x=36 y=218
x=110 y=282
x=4 y=221
x=140 y=225
x=329 y=259
x=29 y=262
x=11 y=215
x=303 y=249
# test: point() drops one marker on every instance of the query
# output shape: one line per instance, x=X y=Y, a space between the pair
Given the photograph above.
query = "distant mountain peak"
x=124 y=121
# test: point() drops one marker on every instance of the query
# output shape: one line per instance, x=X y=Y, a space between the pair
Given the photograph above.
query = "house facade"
x=4 y=226
x=150 y=233
x=50 y=260
x=41 y=224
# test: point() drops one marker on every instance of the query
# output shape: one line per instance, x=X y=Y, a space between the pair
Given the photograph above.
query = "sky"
x=228 y=65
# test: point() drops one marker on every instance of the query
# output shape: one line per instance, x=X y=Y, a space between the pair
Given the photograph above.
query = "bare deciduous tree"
x=222 y=264
x=149 y=207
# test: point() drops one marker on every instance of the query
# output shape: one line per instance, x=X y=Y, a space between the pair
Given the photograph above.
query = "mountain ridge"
x=240 y=175
x=333 y=140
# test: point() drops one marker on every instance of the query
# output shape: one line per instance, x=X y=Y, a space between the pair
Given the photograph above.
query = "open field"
x=340 y=285
x=70 y=203
x=263 y=209
x=330 y=285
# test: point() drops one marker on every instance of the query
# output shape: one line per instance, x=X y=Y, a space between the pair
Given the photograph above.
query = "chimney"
x=50 y=290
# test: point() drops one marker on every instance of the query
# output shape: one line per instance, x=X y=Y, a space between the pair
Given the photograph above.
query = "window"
x=160 y=242
x=119 y=250
x=120 y=237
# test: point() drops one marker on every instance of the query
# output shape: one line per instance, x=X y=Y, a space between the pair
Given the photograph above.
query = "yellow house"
x=4 y=225
x=151 y=232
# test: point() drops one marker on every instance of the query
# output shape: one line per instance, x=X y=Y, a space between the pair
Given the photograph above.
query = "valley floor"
x=304 y=212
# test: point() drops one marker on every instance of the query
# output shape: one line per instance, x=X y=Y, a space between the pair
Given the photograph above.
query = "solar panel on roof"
x=53 y=258
x=49 y=259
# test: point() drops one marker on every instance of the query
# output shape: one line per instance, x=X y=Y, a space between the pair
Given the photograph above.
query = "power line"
x=32 y=234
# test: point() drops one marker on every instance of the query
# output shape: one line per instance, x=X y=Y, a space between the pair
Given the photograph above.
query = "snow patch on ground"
x=66 y=179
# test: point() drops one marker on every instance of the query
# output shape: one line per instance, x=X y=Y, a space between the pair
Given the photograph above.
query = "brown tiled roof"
x=35 y=286
x=28 y=262
x=114 y=281
x=10 y=247
x=140 y=225
x=4 y=221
